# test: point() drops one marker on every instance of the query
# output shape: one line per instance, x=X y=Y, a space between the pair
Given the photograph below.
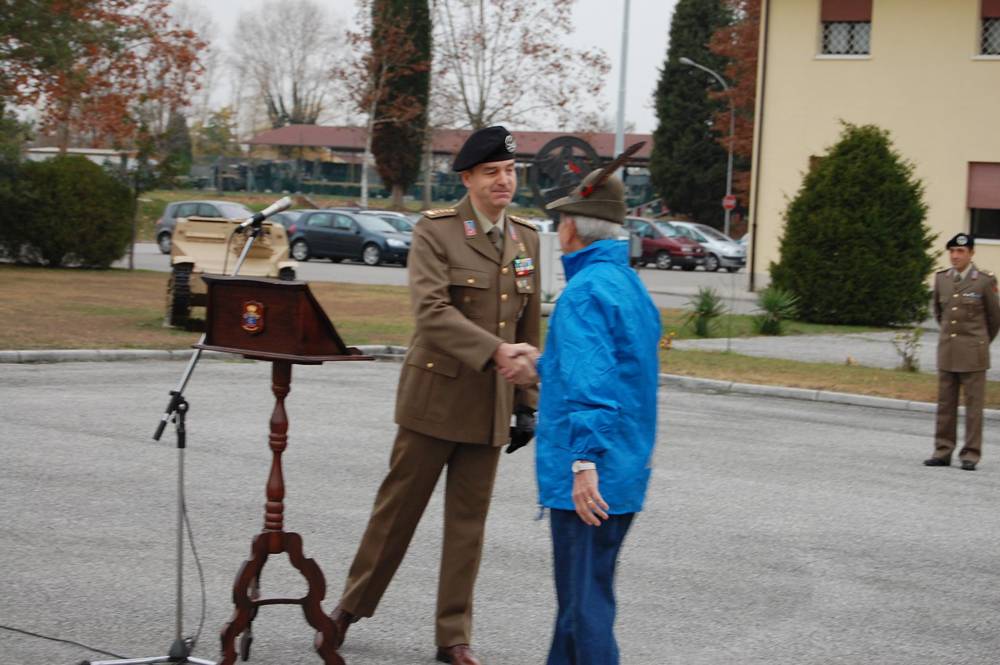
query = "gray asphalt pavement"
x=776 y=532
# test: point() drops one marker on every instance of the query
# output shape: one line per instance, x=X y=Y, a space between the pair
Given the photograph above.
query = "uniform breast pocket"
x=468 y=290
x=525 y=285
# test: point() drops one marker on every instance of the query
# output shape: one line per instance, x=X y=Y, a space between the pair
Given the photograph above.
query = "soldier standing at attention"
x=967 y=309
x=474 y=284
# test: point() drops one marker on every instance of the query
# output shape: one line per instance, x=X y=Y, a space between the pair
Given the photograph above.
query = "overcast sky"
x=597 y=22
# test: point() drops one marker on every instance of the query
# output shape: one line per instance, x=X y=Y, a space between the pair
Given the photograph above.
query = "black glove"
x=523 y=430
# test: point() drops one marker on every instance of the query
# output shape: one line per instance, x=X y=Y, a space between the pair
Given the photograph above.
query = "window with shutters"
x=846 y=27
x=991 y=36
x=984 y=200
x=847 y=37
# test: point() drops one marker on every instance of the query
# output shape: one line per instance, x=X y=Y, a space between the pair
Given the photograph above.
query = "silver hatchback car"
x=721 y=251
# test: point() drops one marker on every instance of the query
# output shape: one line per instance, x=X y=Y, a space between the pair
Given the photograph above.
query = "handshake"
x=516 y=362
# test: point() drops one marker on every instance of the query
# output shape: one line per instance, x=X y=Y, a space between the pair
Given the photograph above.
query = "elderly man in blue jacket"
x=596 y=416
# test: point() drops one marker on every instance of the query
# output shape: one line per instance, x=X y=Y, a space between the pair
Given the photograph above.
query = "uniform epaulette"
x=440 y=212
x=943 y=270
x=522 y=221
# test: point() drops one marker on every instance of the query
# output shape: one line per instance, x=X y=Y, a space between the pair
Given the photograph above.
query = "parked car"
x=339 y=235
x=163 y=230
x=287 y=218
x=397 y=220
x=665 y=246
x=721 y=251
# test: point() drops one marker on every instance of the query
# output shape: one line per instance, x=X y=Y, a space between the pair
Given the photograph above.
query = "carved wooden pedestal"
x=274 y=540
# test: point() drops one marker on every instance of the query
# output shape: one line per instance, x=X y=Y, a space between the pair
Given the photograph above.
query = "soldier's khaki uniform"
x=453 y=408
x=969 y=315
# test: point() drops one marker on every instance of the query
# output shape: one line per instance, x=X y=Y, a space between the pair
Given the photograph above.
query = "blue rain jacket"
x=599 y=374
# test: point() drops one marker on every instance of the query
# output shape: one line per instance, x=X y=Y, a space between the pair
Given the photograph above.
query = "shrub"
x=69 y=211
x=855 y=248
x=706 y=306
x=776 y=306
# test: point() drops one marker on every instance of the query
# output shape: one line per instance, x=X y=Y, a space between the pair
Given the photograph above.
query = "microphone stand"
x=176 y=411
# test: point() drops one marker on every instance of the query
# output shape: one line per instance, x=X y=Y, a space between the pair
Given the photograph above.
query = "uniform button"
x=503 y=297
x=954 y=321
x=954 y=309
x=505 y=270
x=954 y=295
x=503 y=324
x=471 y=280
x=468 y=298
x=430 y=365
x=953 y=334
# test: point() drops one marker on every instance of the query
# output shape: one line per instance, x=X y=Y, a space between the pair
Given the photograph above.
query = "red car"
x=664 y=246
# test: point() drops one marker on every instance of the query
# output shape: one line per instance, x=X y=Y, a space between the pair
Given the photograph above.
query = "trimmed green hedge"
x=66 y=211
x=855 y=248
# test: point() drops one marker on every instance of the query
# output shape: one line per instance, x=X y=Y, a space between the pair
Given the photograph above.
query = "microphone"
x=274 y=208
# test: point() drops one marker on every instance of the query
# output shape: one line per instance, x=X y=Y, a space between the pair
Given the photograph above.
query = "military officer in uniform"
x=967 y=309
x=474 y=285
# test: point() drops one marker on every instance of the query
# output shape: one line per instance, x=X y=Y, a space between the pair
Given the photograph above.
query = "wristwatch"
x=583 y=465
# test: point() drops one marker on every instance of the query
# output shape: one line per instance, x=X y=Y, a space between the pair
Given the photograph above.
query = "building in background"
x=929 y=72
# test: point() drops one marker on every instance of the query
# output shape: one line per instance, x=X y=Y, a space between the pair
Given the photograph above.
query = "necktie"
x=958 y=277
x=496 y=238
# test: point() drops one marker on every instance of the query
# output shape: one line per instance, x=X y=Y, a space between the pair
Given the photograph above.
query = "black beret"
x=962 y=240
x=490 y=144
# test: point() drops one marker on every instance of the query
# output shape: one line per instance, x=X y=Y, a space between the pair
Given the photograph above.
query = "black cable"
x=58 y=639
x=201 y=574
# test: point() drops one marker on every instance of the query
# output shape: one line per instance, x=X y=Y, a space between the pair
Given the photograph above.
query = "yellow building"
x=926 y=70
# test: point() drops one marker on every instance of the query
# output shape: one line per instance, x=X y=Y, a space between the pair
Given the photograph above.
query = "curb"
x=397 y=353
x=380 y=352
x=695 y=384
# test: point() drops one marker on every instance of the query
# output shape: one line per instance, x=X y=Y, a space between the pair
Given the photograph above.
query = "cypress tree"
x=688 y=166
x=176 y=148
x=855 y=248
x=398 y=140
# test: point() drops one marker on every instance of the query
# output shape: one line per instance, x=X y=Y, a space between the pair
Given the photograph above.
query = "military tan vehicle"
x=208 y=245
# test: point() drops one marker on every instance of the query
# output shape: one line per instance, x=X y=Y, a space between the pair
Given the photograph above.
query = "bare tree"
x=504 y=60
x=196 y=18
x=288 y=49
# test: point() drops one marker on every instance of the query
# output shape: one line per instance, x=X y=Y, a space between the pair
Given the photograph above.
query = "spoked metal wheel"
x=371 y=255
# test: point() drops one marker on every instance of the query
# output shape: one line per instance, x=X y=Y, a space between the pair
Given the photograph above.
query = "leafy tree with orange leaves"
x=738 y=43
x=95 y=65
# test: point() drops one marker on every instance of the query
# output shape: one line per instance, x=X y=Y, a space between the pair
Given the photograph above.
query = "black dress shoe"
x=342 y=620
x=937 y=461
x=968 y=465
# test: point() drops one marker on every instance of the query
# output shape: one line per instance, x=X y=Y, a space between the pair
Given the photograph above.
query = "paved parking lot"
x=777 y=532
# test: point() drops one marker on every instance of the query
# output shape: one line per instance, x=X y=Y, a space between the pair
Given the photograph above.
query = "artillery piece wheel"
x=179 y=295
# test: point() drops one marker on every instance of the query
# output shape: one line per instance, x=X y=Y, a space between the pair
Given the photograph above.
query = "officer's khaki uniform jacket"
x=969 y=315
x=467 y=299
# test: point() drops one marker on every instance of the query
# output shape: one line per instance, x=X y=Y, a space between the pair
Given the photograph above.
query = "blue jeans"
x=585 y=558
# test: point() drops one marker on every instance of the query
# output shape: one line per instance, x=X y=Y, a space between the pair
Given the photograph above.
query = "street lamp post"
x=732 y=129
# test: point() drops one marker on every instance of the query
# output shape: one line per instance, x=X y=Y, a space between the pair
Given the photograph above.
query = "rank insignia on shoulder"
x=439 y=212
x=470 y=228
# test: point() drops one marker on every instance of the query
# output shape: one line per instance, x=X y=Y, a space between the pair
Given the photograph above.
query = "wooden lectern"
x=281 y=322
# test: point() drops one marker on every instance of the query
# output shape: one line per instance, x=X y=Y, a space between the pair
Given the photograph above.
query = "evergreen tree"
x=398 y=140
x=688 y=166
x=855 y=248
x=175 y=148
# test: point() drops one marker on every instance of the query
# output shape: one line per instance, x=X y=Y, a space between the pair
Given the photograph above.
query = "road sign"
x=729 y=202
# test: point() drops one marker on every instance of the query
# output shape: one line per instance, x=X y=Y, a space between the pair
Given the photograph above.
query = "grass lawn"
x=45 y=308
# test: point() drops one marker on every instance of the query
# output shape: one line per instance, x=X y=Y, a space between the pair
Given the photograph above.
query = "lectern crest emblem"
x=253 y=317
